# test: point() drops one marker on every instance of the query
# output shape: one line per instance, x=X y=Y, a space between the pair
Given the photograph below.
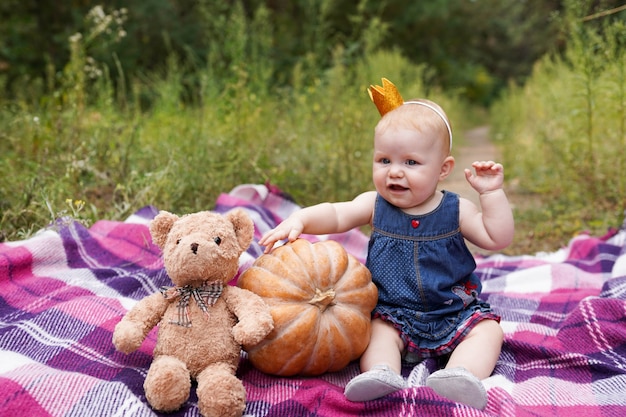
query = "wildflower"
x=76 y=37
x=75 y=205
x=91 y=68
x=96 y=14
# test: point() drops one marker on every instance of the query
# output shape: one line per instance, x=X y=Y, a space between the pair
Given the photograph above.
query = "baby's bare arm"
x=321 y=219
x=494 y=227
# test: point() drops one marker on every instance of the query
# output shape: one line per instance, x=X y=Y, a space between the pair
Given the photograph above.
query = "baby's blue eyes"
x=411 y=162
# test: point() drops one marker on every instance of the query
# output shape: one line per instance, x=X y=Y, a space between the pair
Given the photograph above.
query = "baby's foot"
x=375 y=383
x=459 y=385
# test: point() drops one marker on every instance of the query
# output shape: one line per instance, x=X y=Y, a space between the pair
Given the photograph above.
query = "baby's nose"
x=396 y=171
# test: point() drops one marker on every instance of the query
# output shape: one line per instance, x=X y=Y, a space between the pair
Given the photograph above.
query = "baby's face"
x=407 y=165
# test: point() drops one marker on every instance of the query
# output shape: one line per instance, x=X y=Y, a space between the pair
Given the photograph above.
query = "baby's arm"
x=323 y=219
x=492 y=229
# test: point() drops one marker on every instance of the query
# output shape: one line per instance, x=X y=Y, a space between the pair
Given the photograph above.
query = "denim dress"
x=424 y=272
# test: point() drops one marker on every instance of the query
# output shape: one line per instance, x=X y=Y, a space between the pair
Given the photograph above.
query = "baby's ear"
x=160 y=227
x=446 y=168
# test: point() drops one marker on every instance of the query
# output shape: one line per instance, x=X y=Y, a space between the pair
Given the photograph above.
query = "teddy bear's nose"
x=194 y=248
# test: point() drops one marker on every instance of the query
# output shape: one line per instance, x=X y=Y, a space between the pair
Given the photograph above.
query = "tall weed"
x=93 y=149
x=563 y=134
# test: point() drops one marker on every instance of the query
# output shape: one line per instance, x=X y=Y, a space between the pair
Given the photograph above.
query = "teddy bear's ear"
x=160 y=227
x=244 y=228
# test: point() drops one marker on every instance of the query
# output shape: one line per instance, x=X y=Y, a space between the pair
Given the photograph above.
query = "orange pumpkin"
x=321 y=298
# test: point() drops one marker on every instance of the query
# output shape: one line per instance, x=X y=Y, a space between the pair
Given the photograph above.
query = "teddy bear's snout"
x=194 y=248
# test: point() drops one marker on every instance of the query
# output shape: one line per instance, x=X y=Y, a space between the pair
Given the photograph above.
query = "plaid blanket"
x=63 y=290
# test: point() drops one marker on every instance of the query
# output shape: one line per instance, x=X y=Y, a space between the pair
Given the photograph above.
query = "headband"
x=387 y=98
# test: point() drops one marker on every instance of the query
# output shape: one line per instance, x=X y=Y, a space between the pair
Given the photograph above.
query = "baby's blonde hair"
x=421 y=115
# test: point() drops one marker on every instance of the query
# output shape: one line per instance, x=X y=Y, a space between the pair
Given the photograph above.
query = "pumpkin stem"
x=323 y=299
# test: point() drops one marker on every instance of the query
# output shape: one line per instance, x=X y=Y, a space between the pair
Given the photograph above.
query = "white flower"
x=76 y=37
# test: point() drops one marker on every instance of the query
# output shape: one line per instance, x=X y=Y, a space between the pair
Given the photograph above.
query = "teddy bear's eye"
x=217 y=240
x=177 y=241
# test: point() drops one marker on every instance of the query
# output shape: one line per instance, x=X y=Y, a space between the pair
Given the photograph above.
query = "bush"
x=90 y=151
x=563 y=134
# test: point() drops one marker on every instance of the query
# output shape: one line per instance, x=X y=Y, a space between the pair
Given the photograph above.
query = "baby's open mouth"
x=395 y=187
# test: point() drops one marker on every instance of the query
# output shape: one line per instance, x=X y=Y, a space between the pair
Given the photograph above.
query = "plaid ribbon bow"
x=205 y=296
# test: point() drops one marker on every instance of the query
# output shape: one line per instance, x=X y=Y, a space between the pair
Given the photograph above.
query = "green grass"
x=110 y=151
x=93 y=150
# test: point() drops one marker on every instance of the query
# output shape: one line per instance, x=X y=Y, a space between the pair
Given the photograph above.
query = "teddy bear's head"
x=202 y=246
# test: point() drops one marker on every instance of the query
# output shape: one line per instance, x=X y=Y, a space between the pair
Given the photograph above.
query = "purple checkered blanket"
x=63 y=290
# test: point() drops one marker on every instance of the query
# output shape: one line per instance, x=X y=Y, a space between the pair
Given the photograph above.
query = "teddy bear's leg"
x=167 y=384
x=220 y=392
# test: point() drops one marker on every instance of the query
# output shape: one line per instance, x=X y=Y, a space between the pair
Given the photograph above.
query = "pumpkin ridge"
x=342 y=351
x=344 y=263
x=297 y=358
x=286 y=319
x=357 y=299
x=286 y=254
x=301 y=354
x=305 y=252
x=301 y=270
x=264 y=282
x=324 y=274
x=287 y=344
x=283 y=318
x=321 y=358
x=340 y=261
x=350 y=320
x=354 y=274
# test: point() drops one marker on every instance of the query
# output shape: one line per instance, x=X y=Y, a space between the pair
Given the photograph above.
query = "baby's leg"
x=479 y=351
x=380 y=364
x=385 y=347
x=472 y=360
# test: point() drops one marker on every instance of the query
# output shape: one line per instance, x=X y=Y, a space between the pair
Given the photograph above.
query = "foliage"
x=89 y=150
x=564 y=132
x=95 y=139
x=475 y=46
x=472 y=46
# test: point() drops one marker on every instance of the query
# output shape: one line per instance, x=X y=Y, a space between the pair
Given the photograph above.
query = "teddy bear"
x=203 y=322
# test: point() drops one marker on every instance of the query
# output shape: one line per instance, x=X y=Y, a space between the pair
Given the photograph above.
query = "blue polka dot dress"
x=425 y=276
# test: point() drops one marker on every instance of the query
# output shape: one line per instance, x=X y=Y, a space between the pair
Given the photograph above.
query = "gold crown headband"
x=387 y=98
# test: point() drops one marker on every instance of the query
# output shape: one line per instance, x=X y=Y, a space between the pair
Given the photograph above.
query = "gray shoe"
x=375 y=383
x=459 y=385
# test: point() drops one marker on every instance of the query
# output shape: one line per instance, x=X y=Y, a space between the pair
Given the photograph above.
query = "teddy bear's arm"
x=130 y=332
x=255 y=320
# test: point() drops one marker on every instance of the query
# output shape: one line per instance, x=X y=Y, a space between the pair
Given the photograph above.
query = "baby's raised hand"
x=489 y=176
